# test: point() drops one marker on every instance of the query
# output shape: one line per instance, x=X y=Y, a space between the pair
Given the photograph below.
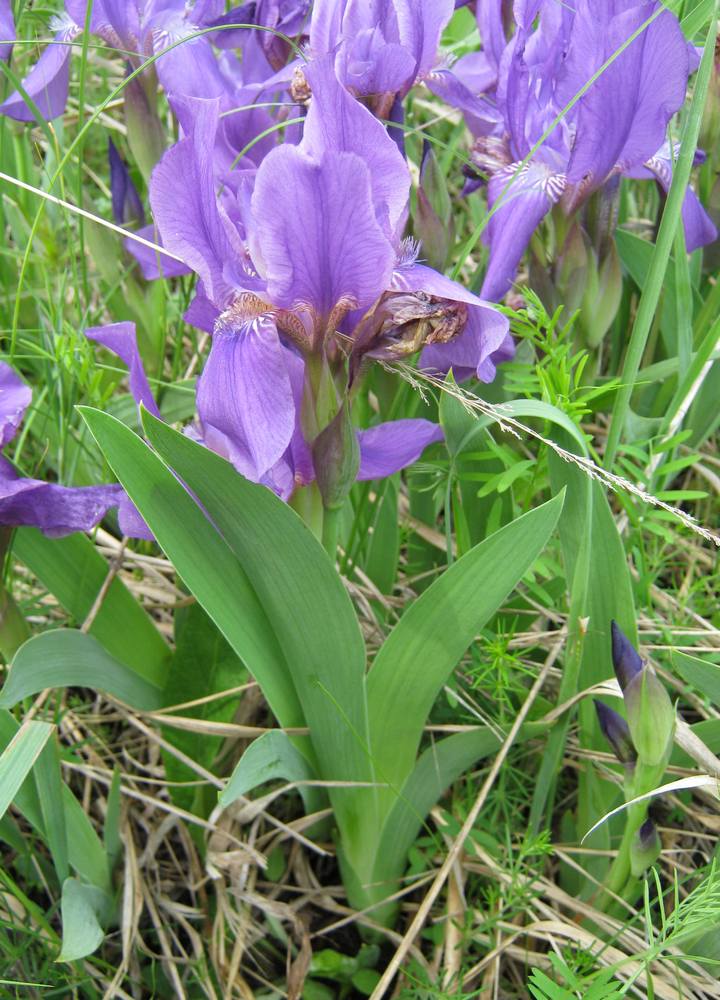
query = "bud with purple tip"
x=616 y=731
x=645 y=848
x=626 y=659
x=650 y=713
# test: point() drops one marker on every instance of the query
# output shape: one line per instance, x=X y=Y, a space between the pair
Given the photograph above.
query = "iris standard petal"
x=392 y=446
x=623 y=117
x=337 y=122
x=318 y=235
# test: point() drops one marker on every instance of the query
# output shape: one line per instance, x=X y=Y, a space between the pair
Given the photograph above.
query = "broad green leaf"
x=199 y=641
x=425 y=646
x=269 y=757
x=436 y=769
x=383 y=551
x=305 y=603
x=74 y=571
x=86 y=853
x=69 y=658
x=18 y=758
x=700 y=674
x=81 y=906
x=202 y=558
x=49 y=782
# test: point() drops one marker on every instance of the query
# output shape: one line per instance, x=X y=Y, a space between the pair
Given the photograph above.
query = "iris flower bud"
x=626 y=659
x=651 y=717
x=616 y=732
x=336 y=457
x=645 y=848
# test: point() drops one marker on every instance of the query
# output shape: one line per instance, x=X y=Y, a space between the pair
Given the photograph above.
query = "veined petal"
x=15 y=398
x=192 y=224
x=245 y=395
x=319 y=238
x=392 y=446
x=531 y=193
x=337 y=122
x=525 y=12
x=421 y=24
x=46 y=83
x=154 y=263
x=623 y=117
x=121 y=339
x=56 y=510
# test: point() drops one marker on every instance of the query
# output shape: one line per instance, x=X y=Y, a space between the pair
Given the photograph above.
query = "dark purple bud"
x=616 y=731
x=126 y=204
x=626 y=659
x=645 y=848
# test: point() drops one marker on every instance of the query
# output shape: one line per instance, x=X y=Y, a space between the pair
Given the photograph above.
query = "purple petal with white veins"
x=319 y=239
x=121 y=339
x=337 y=122
x=192 y=224
x=245 y=394
x=15 y=398
x=392 y=446
x=46 y=84
x=527 y=197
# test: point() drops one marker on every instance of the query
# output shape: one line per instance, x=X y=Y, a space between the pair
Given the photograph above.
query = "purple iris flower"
x=380 y=47
x=618 y=128
x=56 y=510
x=302 y=275
x=139 y=29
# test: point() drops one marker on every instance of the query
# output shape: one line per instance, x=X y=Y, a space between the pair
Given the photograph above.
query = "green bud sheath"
x=651 y=717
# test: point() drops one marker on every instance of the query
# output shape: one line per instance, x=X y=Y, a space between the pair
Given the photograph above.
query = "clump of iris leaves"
x=349 y=665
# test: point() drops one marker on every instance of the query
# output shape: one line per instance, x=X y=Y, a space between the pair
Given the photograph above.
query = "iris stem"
x=331 y=523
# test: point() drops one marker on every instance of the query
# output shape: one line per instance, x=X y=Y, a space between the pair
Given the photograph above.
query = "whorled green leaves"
x=272 y=590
